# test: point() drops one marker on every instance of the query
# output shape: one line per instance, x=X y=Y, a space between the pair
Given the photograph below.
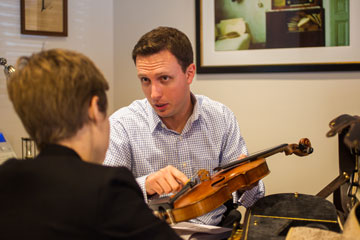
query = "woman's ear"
x=94 y=111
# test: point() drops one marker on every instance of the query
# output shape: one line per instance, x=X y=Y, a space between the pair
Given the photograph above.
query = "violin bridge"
x=203 y=175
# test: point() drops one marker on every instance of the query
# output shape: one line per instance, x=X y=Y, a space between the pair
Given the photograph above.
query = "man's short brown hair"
x=51 y=92
x=165 y=38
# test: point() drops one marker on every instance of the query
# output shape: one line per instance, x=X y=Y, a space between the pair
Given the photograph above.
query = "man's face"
x=164 y=84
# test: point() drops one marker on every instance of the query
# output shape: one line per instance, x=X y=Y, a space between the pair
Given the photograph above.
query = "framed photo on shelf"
x=44 y=17
x=234 y=36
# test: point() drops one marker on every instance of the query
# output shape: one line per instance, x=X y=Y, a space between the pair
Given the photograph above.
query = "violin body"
x=219 y=188
x=198 y=199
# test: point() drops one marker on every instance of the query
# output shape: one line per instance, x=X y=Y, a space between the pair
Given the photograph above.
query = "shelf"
x=300 y=27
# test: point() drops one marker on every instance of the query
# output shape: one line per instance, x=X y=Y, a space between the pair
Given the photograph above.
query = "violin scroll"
x=302 y=149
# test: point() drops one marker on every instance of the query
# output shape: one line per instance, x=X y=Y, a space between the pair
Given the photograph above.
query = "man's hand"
x=241 y=156
x=166 y=180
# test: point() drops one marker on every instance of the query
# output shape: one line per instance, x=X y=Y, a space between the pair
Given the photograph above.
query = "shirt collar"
x=196 y=111
x=154 y=119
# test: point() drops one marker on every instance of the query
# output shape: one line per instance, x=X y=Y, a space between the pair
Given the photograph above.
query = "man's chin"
x=162 y=114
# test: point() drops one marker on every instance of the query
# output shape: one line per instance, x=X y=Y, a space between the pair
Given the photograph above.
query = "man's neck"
x=177 y=123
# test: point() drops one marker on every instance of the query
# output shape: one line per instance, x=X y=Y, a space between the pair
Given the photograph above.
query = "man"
x=167 y=137
x=66 y=192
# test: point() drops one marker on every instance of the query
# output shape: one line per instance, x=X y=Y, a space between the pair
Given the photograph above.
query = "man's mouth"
x=160 y=106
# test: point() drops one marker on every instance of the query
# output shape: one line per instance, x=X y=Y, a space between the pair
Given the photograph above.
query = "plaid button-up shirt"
x=211 y=137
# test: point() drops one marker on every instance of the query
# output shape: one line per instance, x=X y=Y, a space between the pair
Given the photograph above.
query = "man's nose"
x=156 y=92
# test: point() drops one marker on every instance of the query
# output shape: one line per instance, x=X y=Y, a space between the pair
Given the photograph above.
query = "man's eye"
x=165 y=78
x=144 y=80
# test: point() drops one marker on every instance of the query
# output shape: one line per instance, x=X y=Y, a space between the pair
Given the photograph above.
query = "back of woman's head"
x=51 y=92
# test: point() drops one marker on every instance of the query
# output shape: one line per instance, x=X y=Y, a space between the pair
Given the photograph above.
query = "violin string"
x=191 y=177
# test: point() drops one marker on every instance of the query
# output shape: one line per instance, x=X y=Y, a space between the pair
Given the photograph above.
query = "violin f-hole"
x=217 y=181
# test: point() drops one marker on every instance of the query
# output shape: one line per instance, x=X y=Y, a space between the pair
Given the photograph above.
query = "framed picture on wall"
x=238 y=36
x=44 y=17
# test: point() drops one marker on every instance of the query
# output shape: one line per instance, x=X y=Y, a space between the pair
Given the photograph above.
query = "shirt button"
x=180 y=138
x=184 y=164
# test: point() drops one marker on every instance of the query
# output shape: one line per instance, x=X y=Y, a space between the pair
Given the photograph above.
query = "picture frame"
x=296 y=59
x=44 y=17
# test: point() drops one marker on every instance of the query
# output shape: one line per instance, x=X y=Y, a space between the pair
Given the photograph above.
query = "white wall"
x=272 y=108
x=90 y=31
x=134 y=18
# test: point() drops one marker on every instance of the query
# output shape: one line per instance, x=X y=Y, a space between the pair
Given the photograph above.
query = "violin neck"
x=253 y=157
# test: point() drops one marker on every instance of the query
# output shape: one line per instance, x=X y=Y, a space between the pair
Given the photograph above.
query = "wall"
x=272 y=108
x=90 y=31
x=132 y=19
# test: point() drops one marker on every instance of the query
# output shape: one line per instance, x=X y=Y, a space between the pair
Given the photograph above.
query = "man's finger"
x=157 y=188
x=241 y=156
x=166 y=187
x=179 y=176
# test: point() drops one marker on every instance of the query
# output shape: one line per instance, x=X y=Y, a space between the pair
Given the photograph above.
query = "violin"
x=210 y=192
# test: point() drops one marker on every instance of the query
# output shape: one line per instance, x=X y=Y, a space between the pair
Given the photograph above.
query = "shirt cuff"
x=249 y=197
x=141 y=182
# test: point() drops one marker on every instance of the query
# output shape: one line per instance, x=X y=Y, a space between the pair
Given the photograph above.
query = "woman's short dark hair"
x=51 y=92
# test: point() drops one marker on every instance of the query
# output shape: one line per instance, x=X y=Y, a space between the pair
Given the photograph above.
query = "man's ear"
x=190 y=73
x=93 y=111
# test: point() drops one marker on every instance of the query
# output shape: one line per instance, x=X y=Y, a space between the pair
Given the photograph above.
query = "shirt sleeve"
x=249 y=197
x=141 y=182
x=119 y=151
x=234 y=145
